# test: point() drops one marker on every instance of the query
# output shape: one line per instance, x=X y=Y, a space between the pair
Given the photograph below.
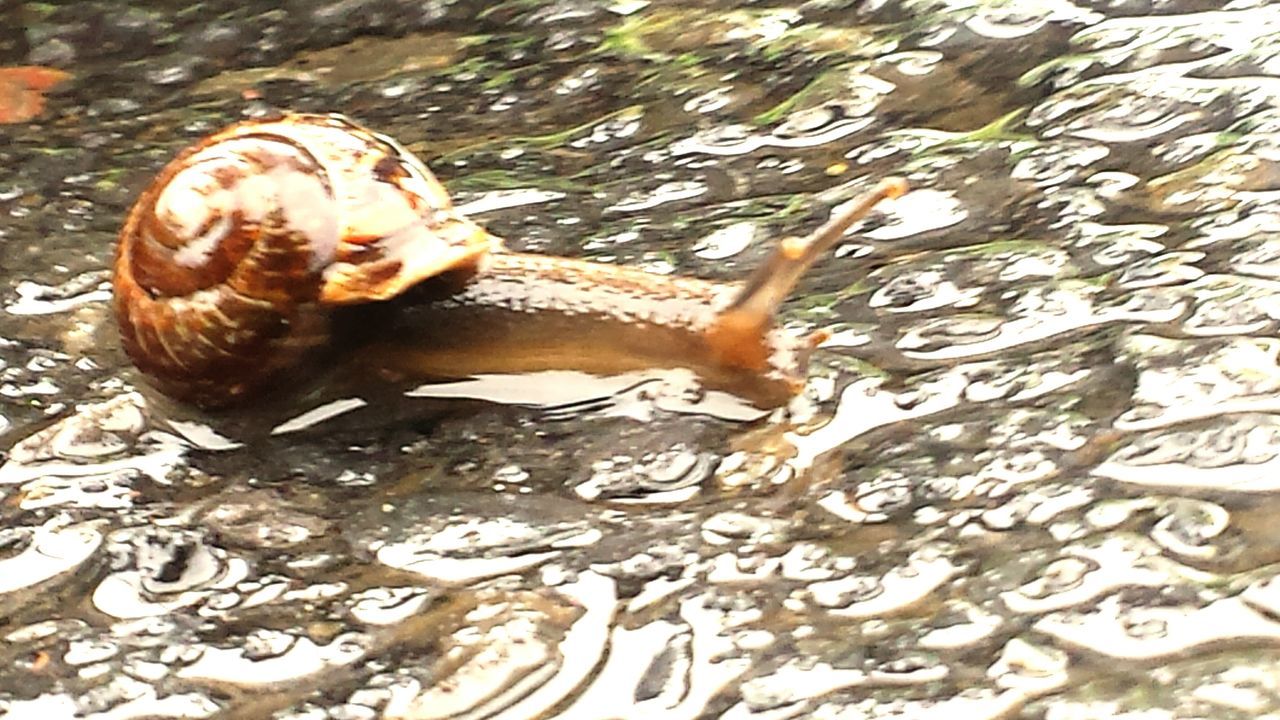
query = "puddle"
x=1031 y=473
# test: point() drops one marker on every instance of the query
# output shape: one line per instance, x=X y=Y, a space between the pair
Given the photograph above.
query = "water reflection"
x=1040 y=442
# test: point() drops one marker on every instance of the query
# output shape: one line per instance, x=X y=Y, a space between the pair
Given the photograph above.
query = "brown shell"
x=230 y=260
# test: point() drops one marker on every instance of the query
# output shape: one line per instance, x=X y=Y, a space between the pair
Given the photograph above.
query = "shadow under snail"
x=232 y=264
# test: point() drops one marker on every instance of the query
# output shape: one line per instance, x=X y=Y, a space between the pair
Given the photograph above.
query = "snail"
x=232 y=264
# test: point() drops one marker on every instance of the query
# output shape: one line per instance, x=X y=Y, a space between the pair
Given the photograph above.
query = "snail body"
x=522 y=313
x=230 y=266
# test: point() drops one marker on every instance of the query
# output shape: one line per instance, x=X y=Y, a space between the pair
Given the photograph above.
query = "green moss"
x=628 y=38
x=999 y=129
x=825 y=86
x=487 y=180
x=674 y=34
x=500 y=80
x=550 y=140
x=471 y=66
x=1044 y=71
x=689 y=59
x=779 y=111
x=110 y=179
x=41 y=9
x=855 y=366
x=510 y=5
x=823 y=41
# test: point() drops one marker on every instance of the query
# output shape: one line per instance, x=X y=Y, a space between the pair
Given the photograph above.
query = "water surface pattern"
x=1034 y=472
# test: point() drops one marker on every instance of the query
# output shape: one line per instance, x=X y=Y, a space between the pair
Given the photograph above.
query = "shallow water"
x=1030 y=476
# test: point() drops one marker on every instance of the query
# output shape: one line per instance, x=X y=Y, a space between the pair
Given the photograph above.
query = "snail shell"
x=230 y=261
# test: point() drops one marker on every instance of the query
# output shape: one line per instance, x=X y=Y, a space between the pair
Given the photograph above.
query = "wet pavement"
x=1030 y=476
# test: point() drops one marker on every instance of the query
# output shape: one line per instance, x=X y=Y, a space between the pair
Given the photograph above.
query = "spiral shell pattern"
x=228 y=263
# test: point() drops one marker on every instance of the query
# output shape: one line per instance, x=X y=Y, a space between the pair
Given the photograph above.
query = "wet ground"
x=1030 y=476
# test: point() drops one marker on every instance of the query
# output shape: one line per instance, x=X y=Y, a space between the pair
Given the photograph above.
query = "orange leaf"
x=22 y=91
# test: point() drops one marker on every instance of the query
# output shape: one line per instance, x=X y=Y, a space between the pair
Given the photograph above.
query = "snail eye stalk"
x=737 y=334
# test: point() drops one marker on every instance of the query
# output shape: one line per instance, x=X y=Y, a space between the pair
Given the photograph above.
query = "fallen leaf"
x=22 y=91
